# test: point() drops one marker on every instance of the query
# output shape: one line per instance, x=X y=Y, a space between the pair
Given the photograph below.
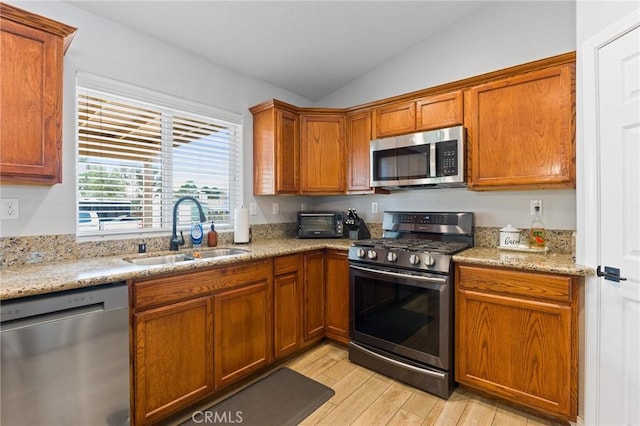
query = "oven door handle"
x=398 y=275
x=432 y=373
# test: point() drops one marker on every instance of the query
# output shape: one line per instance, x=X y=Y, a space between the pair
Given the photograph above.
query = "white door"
x=618 y=91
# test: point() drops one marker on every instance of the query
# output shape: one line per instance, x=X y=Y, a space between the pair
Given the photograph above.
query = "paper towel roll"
x=241 y=225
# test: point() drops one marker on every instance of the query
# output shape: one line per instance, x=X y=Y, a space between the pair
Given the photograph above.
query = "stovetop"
x=418 y=241
x=414 y=245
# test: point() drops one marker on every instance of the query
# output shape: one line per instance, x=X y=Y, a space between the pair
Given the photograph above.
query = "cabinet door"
x=173 y=358
x=242 y=330
x=358 y=152
x=276 y=151
x=286 y=305
x=287 y=152
x=439 y=111
x=395 y=119
x=337 y=295
x=31 y=104
x=313 y=295
x=322 y=153
x=521 y=131
x=517 y=349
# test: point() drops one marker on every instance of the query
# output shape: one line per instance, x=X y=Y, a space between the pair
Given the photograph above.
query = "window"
x=139 y=151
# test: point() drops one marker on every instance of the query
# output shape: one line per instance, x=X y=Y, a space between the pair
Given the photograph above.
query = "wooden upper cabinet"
x=426 y=113
x=439 y=111
x=358 y=152
x=32 y=49
x=322 y=153
x=395 y=119
x=276 y=149
x=521 y=131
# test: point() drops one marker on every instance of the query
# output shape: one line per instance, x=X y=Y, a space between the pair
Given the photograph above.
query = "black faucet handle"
x=181 y=241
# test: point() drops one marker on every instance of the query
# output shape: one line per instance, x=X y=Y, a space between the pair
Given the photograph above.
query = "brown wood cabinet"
x=197 y=332
x=276 y=149
x=426 y=113
x=439 y=111
x=173 y=357
x=521 y=131
x=517 y=337
x=337 y=295
x=32 y=49
x=242 y=330
x=313 y=295
x=358 y=152
x=395 y=119
x=322 y=150
x=287 y=304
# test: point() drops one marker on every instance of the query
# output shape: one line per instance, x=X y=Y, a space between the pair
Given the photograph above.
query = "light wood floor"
x=364 y=397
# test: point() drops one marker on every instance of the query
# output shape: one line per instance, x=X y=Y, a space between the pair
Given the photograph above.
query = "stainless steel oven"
x=401 y=297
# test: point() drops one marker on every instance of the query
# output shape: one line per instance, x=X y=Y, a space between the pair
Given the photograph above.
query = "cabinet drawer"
x=174 y=288
x=284 y=264
x=532 y=285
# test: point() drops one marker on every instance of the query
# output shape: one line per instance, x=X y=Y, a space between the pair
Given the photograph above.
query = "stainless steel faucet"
x=176 y=241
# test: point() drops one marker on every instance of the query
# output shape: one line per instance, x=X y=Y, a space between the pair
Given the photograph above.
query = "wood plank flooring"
x=364 y=397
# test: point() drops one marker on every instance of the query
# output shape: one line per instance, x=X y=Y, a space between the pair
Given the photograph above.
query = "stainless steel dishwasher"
x=65 y=358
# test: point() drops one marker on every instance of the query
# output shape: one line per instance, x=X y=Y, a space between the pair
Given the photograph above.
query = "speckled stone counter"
x=49 y=277
x=559 y=263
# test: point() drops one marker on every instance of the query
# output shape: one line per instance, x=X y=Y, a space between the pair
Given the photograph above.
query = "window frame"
x=161 y=101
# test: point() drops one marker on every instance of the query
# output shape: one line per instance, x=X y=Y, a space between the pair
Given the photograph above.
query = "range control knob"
x=429 y=261
x=392 y=257
x=414 y=259
x=371 y=254
x=361 y=253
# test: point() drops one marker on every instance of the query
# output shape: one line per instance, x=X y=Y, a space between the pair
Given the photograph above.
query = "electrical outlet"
x=374 y=207
x=532 y=207
x=276 y=208
x=10 y=209
x=253 y=208
x=303 y=207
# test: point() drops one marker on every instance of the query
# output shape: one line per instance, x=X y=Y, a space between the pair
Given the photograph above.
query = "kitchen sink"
x=206 y=254
x=183 y=257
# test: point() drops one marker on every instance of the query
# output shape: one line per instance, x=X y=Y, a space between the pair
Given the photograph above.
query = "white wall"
x=499 y=36
x=105 y=48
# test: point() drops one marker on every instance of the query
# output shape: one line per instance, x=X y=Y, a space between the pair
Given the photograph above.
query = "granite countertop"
x=559 y=263
x=71 y=274
x=65 y=275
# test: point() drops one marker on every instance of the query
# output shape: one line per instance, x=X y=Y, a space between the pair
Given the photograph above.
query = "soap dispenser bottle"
x=537 y=239
x=212 y=236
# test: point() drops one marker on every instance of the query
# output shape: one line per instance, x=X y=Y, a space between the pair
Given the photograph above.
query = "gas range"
x=419 y=241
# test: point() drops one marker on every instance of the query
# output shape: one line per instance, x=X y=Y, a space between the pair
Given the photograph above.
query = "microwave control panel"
x=447 y=157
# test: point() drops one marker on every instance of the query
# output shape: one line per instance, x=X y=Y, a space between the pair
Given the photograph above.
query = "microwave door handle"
x=432 y=160
x=316 y=214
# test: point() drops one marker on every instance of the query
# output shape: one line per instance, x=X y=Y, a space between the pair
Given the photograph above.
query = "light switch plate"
x=276 y=208
x=253 y=208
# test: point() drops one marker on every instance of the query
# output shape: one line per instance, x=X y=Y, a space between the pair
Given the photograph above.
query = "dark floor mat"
x=284 y=397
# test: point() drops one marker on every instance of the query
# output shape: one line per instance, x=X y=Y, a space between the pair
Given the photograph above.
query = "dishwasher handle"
x=53 y=306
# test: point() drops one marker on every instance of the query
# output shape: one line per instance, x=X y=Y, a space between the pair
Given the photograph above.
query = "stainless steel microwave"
x=320 y=224
x=432 y=159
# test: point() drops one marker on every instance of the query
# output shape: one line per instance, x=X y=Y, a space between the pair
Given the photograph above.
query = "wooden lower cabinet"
x=195 y=333
x=313 y=295
x=337 y=295
x=517 y=337
x=173 y=357
x=287 y=294
x=242 y=332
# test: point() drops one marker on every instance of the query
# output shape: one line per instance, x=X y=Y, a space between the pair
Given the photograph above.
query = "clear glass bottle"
x=537 y=238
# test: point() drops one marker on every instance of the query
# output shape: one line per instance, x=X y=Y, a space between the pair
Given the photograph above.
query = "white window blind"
x=136 y=157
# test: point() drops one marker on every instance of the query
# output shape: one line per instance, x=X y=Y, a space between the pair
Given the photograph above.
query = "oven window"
x=398 y=313
x=401 y=163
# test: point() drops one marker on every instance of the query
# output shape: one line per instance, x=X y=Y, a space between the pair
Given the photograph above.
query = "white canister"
x=509 y=236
